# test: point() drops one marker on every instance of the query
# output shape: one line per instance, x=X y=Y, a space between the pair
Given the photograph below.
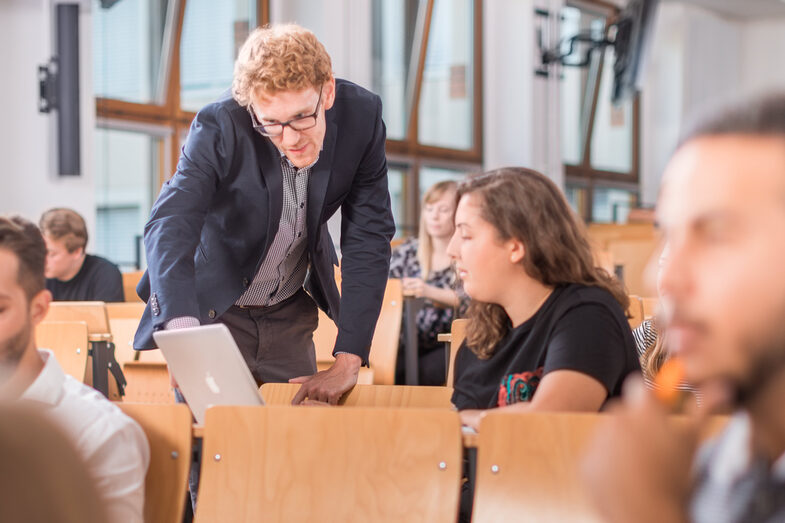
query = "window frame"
x=169 y=113
x=408 y=153
x=584 y=174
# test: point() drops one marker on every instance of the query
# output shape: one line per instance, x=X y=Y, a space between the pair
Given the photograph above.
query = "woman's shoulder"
x=576 y=294
x=407 y=245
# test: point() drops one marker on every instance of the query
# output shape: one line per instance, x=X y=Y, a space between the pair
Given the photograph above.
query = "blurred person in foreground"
x=722 y=212
x=112 y=445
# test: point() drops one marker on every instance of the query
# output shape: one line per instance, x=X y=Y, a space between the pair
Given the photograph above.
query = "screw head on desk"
x=495 y=469
x=217 y=457
x=393 y=303
x=175 y=454
x=442 y=465
x=79 y=351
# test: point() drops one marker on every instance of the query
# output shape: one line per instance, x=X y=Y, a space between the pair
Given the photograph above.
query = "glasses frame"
x=260 y=127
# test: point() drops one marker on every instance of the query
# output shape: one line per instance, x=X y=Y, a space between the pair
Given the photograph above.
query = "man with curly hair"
x=239 y=234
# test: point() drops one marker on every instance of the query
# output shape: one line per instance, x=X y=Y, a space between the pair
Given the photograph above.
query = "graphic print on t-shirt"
x=519 y=387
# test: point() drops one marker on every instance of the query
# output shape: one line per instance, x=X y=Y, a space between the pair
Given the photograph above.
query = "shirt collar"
x=285 y=158
x=733 y=457
x=48 y=385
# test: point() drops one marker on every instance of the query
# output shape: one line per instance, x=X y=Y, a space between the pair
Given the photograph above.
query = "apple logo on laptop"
x=212 y=384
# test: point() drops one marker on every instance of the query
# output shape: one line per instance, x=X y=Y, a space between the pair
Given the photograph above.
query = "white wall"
x=521 y=116
x=696 y=59
x=29 y=185
x=699 y=58
x=763 y=55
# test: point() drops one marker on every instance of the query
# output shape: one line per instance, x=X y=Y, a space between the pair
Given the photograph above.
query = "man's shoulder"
x=351 y=99
x=92 y=418
x=100 y=263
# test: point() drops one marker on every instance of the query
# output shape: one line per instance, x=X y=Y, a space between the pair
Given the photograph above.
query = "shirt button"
x=302 y=205
x=211 y=314
x=246 y=282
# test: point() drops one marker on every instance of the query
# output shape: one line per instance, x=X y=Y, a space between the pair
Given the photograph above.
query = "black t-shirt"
x=578 y=328
x=97 y=280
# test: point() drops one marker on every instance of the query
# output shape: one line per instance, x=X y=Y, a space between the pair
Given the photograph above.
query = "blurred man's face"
x=60 y=263
x=15 y=323
x=722 y=211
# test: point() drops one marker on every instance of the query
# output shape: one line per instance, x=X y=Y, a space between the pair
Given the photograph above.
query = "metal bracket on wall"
x=47 y=86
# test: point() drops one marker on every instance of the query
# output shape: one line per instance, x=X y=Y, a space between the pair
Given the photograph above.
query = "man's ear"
x=516 y=250
x=39 y=306
x=328 y=94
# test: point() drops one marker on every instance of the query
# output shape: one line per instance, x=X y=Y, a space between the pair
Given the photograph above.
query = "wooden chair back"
x=148 y=382
x=630 y=246
x=635 y=313
x=330 y=465
x=93 y=313
x=650 y=306
x=168 y=430
x=370 y=396
x=386 y=337
x=527 y=466
x=124 y=319
x=130 y=281
x=457 y=335
x=384 y=347
x=69 y=343
x=604 y=260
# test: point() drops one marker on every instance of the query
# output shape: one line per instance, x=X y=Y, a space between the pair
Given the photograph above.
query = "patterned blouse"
x=431 y=320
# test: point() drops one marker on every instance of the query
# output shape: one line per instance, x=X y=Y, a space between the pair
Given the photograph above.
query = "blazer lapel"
x=319 y=180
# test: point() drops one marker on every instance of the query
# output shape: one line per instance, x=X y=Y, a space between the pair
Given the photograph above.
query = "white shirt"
x=113 y=445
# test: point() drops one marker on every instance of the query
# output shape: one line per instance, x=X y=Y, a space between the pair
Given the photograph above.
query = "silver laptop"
x=208 y=367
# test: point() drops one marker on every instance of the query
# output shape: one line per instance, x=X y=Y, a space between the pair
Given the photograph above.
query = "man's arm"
x=367 y=227
x=173 y=231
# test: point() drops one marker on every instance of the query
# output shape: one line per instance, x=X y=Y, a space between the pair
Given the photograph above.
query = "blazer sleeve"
x=366 y=230
x=173 y=232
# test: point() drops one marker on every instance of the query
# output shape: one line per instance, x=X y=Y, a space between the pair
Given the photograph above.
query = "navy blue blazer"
x=215 y=219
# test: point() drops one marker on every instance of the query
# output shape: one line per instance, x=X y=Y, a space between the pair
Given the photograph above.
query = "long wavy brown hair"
x=525 y=205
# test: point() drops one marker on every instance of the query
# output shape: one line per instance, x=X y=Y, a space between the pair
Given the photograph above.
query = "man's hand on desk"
x=329 y=385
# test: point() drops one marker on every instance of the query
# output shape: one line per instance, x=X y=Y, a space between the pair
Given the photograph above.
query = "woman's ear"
x=517 y=250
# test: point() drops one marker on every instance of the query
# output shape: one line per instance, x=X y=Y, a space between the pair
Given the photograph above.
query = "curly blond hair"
x=278 y=58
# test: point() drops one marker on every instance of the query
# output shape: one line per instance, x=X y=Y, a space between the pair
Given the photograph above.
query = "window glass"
x=611 y=205
x=395 y=176
x=611 y=140
x=446 y=108
x=127 y=170
x=577 y=83
x=213 y=33
x=394 y=23
x=432 y=175
x=127 y=50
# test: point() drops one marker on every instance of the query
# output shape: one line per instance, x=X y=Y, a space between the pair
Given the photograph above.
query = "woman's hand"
x=415 y=287
x=472 y=417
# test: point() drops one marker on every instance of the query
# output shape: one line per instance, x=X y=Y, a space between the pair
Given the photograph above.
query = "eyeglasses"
x=301 y=123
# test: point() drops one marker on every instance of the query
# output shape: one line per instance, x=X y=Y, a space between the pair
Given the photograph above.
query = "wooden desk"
x=470 y=439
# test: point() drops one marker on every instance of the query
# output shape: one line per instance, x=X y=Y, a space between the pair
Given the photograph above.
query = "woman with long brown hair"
x=547 y=329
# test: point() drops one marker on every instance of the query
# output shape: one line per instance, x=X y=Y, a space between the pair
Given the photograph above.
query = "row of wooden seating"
x=628 y=247
x=366 y=464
